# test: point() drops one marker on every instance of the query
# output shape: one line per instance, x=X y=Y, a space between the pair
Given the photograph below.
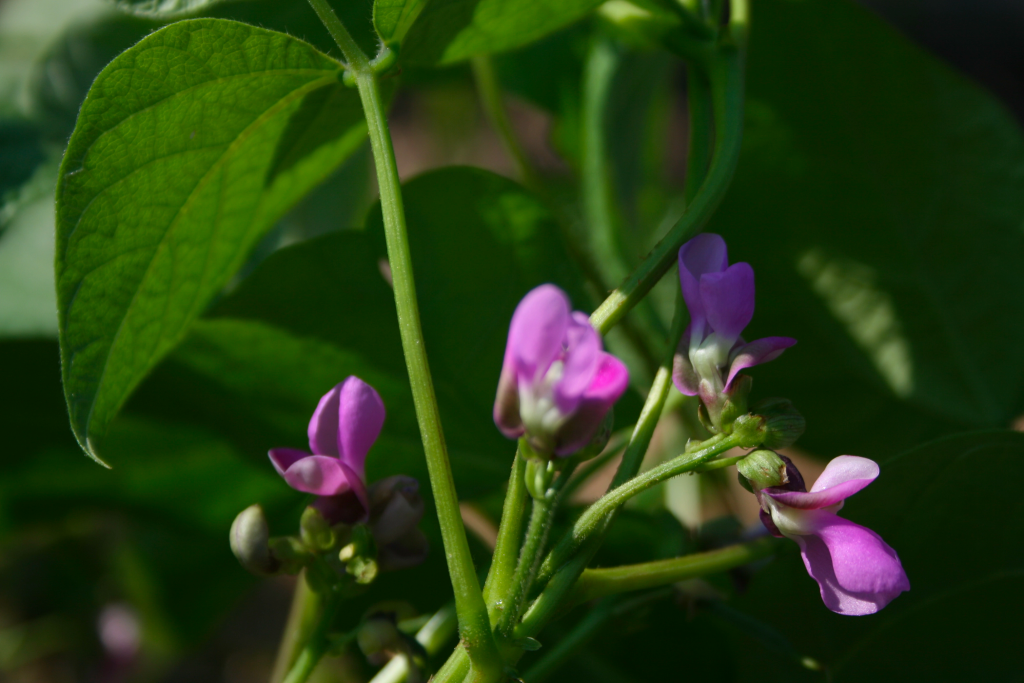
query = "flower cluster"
x=711 y=355
x=367 y=528
x=557 y=384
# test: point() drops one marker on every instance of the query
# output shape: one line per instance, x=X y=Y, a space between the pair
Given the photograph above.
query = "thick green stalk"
x=598 y=583
x=506 y=547
x=474 y=624
x=316 y=645
x=726 y=75
x=302 y=621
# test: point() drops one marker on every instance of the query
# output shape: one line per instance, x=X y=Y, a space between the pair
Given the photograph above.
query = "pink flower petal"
x=506 y=405
x=607 y=387
x=857 y=573
x=705 y=253
x=683 y=375
x=582 y=359
x=321 y=475
x=755 y=353
x=360 y=418
x=283 y=458
x=537 y=331
x=843 y=477
x=728 y=299
x=323 y=426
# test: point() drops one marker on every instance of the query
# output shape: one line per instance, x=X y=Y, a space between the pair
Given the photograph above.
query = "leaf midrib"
x=239 y=140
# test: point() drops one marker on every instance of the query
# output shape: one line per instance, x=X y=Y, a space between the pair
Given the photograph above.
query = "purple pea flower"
x=720 y=299
x=344 y=426
x=858 y=573
x=557 y=383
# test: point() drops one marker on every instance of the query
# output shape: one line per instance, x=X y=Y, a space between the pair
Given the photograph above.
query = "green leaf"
x=188 y=148
x=394 y=18
x=957 y=523
x=449 y=31
x=879 y=199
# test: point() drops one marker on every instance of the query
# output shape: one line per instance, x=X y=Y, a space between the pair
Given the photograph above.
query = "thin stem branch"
x=432 y=636
x=506 y=548
x=526 y=570
x=474 y=624
x=598 y=583
x=726 y=75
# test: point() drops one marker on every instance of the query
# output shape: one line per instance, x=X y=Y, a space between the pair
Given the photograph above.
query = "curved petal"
x=832 y=573
x=843 y=477
x=705 y=253
x=537 y=331
x=728 y=299
x=607 y=387
x=321 y=475
x=323 y=426
x=862 y=561
x=683 y=375
x=506 y=405
x=582 y=360
x=283 y=458
x=360 y=418
x=755 y=353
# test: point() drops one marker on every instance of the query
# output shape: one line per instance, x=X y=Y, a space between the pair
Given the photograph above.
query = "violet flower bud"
x=720 y=299
x=344 y=427
x=557 y=383
x=856 y=571
x=396 y=509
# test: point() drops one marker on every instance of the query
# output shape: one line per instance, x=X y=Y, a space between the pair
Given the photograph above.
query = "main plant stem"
x=474 y=624
x=316 y=644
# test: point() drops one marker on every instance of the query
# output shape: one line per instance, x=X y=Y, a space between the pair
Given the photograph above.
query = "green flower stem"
x=455 y=669
x=506 y=547
x=598 y=583
x=596 y=186
x=526 y=570
x=432 y=636
x=302 y=621
x=726 y=76
x=317 y=643
x=474 y=624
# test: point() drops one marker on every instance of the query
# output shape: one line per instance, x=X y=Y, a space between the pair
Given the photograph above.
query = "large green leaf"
x=957 y=521
x=188 y=148
x=879 y=197
x=394 y=18
x=452 y=30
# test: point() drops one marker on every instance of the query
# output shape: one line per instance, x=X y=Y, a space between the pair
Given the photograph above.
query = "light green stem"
x=506 y=547
x=302 y=621
x=526 y=569
x=316 y=645
x=434 y=634
x=474 y=624
x=726 y=75
x=598 y=583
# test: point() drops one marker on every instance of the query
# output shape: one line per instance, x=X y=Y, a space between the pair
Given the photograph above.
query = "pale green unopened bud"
x=379 y=639
x=249 y=541
x=750 y=429
x=764 y=469
x=784 y=423
x=316 y=532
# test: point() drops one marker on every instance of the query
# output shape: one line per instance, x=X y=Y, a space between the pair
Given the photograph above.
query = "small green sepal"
x=316 y=532
x=750 y=429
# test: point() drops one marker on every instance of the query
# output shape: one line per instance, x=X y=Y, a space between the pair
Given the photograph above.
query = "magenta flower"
x=858 y=573
x=557 y=383
x=344 y=427
x=720 y=299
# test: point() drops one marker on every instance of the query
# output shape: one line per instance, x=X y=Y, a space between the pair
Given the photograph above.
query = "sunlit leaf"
x=238 y=123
